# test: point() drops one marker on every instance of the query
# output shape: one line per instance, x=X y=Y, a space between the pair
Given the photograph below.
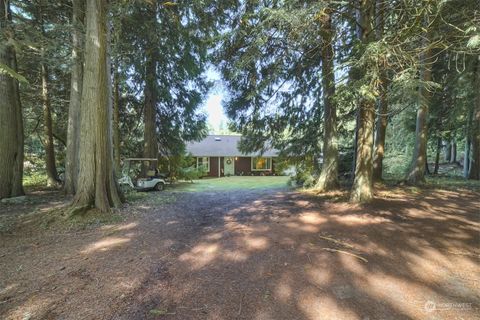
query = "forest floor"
x=245 y=253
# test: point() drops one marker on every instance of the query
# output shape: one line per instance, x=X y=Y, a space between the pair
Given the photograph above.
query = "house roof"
x=222 y=146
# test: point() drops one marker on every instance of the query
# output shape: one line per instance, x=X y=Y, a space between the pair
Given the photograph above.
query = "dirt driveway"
x=267 y=253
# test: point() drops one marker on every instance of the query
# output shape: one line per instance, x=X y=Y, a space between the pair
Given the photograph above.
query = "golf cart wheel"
x=160 y=186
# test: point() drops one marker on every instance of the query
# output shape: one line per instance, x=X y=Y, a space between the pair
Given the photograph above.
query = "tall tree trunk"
x=453 y=157
x=382 y=110
x=448 y=151
x=328 y=179
x=150 y=147
x=116 y=122
x=96 y=185
x=380 y=132
x=468 y=143
x=475 y=157
x=17 y=188
x=437 y=155
x=427 y=169
x=76 y=83
x=362 y=190
x=51 y=168
x=11 y=119
x=416 y=174
x=466 y=157
x=118 y=197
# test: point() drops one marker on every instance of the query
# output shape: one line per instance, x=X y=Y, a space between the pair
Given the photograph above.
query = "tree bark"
x=11 y=119
x=468 y=143
x=453 y=157
x=416 y=174
x=76 y=82
x=427 y=169
x=474 y=172
x=328 y=179
x=51 y=168
x=380 y=132
x=48 y=142
x=96 y=185
x=437 y=155
x=382 y=110
x=448 y=152
x=466 y=158
x=362 y=190
x=116 y=122
x=150 y=147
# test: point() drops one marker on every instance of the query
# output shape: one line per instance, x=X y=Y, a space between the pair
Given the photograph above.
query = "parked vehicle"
x=142 y=174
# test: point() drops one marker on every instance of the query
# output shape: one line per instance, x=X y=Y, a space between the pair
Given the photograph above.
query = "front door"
x=229 y=166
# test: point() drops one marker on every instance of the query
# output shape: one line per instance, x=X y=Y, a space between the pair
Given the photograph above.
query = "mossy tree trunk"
x=328 y=179
x=48 y=142
x=448 y=151
x=468 y=144
x=453 y=157
x=11 y=119
x=51 y=168
x=116 y=122
x=96 y=183
x=474 y=172
x=76 y=83
x=416 y=173
x=437 y=155
x=150 y=146
x=382 y=109
x=362 y=190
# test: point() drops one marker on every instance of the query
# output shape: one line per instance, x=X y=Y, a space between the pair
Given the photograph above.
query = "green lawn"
x=231 y=183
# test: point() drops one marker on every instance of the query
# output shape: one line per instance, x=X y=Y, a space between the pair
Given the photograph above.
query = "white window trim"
x=207 y=166
x=269 y=161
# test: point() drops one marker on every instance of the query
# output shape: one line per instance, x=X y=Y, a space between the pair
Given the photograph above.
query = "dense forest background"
x=350 y=92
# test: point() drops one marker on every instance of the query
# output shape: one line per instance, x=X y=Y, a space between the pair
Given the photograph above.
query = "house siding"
x=243 y=167
x=213 y=167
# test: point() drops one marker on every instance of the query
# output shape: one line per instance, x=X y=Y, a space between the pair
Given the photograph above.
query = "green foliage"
x=303 y=179
x=258 y=183
x=192 y=173
x=270 y=56
x=4 y=69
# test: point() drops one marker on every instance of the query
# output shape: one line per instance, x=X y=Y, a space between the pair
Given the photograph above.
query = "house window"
x=203 y=162
x=261 y=163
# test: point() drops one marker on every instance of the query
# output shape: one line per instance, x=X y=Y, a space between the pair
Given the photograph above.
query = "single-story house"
x=220 y=156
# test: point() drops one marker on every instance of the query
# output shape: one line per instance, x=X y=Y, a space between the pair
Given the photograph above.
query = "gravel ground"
x=251 y=254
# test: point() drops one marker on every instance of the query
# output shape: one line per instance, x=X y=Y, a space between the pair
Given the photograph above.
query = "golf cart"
x=142 y=174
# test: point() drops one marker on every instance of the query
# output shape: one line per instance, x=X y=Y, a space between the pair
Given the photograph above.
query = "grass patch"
x=231 y=183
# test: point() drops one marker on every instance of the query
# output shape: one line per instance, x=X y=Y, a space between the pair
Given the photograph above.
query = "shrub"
x=192 y=173
x=302 y=178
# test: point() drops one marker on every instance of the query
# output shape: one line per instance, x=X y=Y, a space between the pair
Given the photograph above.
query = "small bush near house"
x=302 y=178
x=192 y=173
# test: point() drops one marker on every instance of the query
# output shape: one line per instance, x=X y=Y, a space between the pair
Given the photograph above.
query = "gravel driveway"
x=253 y=254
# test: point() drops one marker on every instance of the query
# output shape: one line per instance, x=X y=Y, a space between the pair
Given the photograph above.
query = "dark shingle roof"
x=222 y=146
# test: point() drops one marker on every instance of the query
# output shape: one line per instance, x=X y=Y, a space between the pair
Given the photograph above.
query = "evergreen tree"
x=96 y=185
x=11 y=120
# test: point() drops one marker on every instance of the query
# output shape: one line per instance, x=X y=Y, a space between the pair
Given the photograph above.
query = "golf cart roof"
x=141 y=159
